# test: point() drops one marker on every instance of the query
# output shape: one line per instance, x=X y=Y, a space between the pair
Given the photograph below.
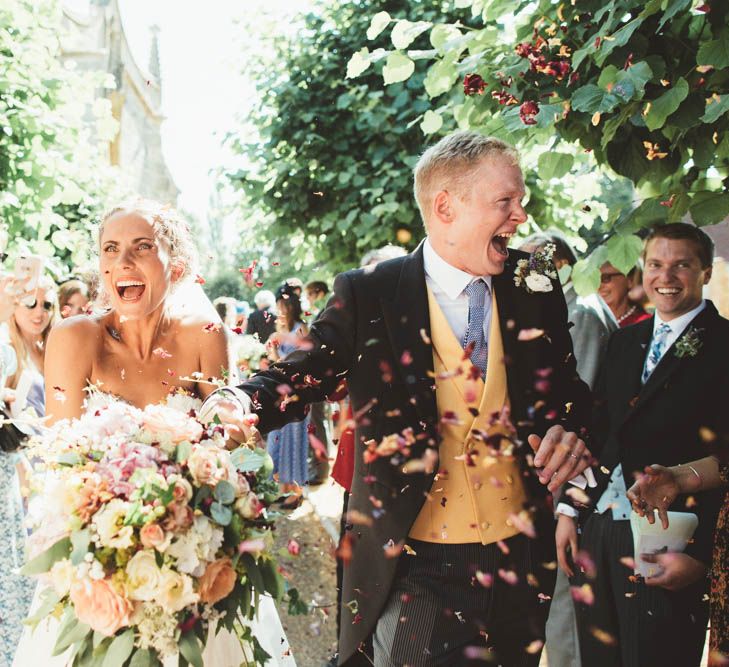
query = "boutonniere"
x=537 y=272
x=689 y=344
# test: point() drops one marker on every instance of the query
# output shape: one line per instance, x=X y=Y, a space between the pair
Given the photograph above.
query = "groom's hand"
x=240 y=425
x=561 y=454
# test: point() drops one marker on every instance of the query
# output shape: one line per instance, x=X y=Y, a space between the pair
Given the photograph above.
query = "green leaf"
x=619 y=38
x=441 y=34
x=251 y=460
x=70 y=632
x=554 y=165
x=624 y=251
x=69 y=459
x=272 y=580
x=397 y=68
x=142 y=657
x=440 y=77
x=254 y=574
x=716 y=109
x=44 y=562
x=432 y=122
x=183 y=451
x=222 y=514
x=297 y=607
x=709 y=208
x=674 y=7
x=592 y=98
x=80 y=541
x=190 y=649
x=49 y=599
x=379 y=22
x=358 y=63
x=714 y=53
x=224 y=492
x=120 y=649
x=666 y=104
x=585 y=277
x=405 y=32
x=638 y=75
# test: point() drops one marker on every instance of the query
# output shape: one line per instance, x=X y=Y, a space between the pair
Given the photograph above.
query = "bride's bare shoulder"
x=78 y=330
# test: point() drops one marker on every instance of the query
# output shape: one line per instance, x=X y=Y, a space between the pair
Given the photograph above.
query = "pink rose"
x=249 y=506
x=182 y=492
x=174 y=424
x=99 y=606
x=152 y=535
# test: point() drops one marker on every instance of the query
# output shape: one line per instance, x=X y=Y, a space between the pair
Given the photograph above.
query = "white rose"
x=176 y=591
x=184 y=550
x=109 y=522
x=144 y=578
x=61 y=576
x=536 y=282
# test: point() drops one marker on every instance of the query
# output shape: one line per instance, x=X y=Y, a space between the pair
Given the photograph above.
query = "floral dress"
x=719 y=642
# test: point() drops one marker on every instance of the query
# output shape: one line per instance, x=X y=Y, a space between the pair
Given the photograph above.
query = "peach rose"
x=174 y=424
x=182 y=491
x=178 y=517
x=152 y=536
x=99 y=606
x=205 y=465
x=217 y=581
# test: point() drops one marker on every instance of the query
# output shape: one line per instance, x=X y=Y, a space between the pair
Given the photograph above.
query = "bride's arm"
x=215 y=360
x=67 y=367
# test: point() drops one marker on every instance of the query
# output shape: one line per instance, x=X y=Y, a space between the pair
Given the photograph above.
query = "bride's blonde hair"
x=168 y=226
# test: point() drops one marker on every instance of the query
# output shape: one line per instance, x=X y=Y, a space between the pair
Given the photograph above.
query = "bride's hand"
x=655 y=490
x=240 y=426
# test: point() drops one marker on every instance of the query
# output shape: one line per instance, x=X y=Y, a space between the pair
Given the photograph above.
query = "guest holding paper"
x=651 y=408
x=657 y=490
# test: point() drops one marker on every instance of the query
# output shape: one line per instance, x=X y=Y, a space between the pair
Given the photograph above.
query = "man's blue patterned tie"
x=478 y=296
x=656 y=350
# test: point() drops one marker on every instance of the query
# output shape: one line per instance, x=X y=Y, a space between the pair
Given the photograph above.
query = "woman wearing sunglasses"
x=29 y=318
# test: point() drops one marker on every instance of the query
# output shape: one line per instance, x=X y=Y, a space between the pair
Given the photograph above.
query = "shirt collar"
x=678 y=324
x=450 y=279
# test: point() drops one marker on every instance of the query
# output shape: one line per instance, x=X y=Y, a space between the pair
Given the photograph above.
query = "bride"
x=150 y=345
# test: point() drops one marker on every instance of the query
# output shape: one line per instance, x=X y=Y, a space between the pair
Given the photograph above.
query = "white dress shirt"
x=448 y=284
x=614 y=497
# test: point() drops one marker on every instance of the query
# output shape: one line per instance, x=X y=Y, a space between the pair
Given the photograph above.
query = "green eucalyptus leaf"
x=224 y=492
x=120 y=649
x=44 y=562
x=220 y=513
x=190 y=649
x=80 y=541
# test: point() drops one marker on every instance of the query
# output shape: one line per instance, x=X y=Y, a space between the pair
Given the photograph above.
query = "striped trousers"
x=631 y=624
x=465 y=604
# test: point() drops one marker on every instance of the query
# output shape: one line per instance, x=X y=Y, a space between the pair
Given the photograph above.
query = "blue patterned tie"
x=478 y=295
x=656 y=350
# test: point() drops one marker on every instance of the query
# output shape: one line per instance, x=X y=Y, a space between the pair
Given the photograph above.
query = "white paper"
x=652 y=538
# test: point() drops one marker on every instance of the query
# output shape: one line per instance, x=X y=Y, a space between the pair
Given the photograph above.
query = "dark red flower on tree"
x=473 y=84
x=524 y=49
x=504 y=98
x=527 y=112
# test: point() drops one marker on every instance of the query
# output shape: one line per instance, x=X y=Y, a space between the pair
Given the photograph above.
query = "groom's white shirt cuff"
x=582 y=481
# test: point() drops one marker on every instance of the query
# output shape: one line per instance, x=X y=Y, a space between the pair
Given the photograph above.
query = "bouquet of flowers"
x=148 y=534
x=250 y=352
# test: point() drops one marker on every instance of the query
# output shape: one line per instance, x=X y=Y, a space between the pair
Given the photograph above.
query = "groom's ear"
x=442 y=208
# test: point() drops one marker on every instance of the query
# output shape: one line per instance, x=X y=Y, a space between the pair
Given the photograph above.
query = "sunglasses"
x=30 y=305
x=607 y=277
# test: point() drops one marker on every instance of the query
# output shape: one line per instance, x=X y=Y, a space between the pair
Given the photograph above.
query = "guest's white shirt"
x=448 y=284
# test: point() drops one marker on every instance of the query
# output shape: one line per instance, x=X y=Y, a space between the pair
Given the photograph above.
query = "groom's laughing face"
x=482 y=216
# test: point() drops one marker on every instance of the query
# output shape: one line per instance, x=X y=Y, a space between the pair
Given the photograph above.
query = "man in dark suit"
x=448 y=557
x=262 y=321
x=664 y=381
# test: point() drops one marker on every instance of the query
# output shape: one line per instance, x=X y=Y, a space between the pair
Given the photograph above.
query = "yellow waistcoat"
x=476 y=489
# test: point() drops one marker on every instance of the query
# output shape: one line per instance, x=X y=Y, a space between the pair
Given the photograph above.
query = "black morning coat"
x=681 y=413
x=375 y=333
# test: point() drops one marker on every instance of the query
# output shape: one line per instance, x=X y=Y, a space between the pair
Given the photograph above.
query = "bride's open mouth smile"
x=130 y=290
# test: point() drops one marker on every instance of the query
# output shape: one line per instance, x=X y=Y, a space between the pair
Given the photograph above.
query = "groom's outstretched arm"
x=312 y=372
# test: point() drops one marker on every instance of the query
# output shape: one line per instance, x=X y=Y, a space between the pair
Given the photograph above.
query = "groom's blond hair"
x=449 y=165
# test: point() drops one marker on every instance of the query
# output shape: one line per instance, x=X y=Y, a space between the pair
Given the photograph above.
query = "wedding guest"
x=592 y=325
x=657 y=490
x=225 y=307
x=262 y=321
x=289 y=445
x=296 y=284
x=316 y=294
x=424 y=524
x=29 y=317
x=73 y=298
x=651 y=409
x=242 y=312
x=615 y=291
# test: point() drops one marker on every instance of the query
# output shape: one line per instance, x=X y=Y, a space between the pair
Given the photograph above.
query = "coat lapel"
x=669 y=363
x=408 y=326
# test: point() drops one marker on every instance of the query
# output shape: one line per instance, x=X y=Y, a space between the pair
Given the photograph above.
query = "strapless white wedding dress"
x=221 y=650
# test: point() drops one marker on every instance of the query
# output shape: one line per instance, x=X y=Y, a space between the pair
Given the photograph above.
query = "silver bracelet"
x=695 y=472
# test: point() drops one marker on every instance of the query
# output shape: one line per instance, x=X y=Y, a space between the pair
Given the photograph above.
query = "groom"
x=450 y=365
